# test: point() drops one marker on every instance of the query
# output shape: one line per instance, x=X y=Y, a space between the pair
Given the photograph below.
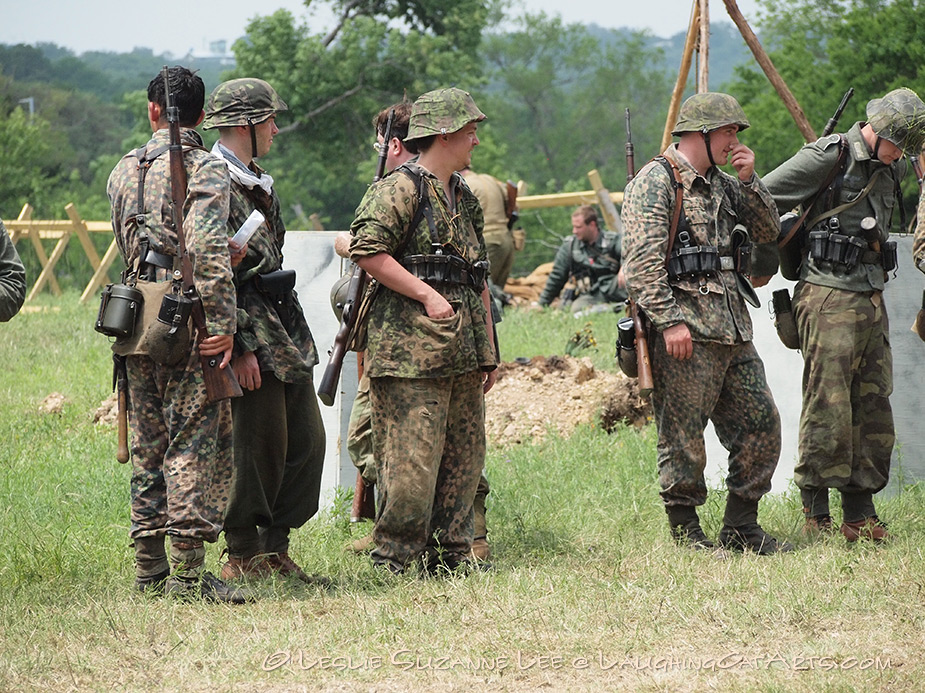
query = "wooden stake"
x=770 y=71
x=678 y=92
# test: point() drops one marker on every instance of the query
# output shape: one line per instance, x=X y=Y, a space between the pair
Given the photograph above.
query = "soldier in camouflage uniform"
x=279 y=438
x=181 y=443
x=846 y=424
x=12 y=277
x=430 y=354
x=704 y=364
x=592 y=258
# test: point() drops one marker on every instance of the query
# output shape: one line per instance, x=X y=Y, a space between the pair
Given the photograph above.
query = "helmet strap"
x=250 y=124
x=876 y=148
x=706 y=143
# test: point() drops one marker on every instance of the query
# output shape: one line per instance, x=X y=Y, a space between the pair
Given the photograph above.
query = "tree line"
x=555 y=94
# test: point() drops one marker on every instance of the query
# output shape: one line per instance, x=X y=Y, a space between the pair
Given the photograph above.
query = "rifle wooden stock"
x=355 y=290
x=364 y=501
x=643 y=366
x=121 y=383
x=220 y=383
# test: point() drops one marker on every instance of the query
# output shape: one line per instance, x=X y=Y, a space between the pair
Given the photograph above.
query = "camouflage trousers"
x=725 y=384
x=278 y=459
x=360 y=439
x=181 y=451
x=846 y=425
x=429 y=437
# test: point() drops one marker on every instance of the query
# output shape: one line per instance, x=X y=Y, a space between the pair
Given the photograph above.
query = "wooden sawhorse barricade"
x=61 y=230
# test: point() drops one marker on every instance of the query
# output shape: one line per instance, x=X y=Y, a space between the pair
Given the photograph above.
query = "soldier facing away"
x=181 y=442
x=704 y=364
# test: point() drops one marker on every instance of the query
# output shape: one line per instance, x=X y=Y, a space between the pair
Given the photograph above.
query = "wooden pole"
x=703 y=72
x=678 y=92
x=770 y=71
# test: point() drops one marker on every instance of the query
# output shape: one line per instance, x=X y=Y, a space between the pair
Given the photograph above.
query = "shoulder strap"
x=840 y=165
x=423 y=207
x=675 y=178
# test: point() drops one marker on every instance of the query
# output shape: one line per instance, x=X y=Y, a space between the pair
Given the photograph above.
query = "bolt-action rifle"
x=359 y=281
x=643 y=365
x=220 y=382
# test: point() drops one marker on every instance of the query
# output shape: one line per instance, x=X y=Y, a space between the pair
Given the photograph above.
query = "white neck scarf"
x=240 y=173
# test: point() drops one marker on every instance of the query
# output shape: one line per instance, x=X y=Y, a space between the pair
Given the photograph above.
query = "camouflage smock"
x=403 y=341
x=598 y=261
x=281 y=339
x=798 y=179
x=713 y=205
x=205 y=215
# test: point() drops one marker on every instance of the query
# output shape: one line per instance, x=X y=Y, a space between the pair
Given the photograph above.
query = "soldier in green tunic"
x=846 y=424
x=430 y=355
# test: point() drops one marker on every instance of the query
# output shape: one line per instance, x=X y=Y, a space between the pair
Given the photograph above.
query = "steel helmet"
x=339 y=292
x=709 y=111
x=899 y=117
x=441 y=112
x=245 y=101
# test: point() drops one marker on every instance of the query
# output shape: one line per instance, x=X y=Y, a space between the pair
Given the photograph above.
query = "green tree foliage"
x=821 y=48
x=335 y=83
x=24 y=151
x=556 y=98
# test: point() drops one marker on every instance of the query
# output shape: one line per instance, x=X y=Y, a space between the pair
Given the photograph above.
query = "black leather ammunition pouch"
x=889 y=256
x=837 y=249
x=278 y=283
x=447 y=269
x=693 y=261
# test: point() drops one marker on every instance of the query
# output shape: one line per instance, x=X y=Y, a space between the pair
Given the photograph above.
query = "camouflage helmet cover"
x=709 y=111
x=899 y=117
x=241 y=102
x=441 y=112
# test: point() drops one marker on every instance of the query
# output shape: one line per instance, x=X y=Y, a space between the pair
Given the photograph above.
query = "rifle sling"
x=839 y=164
x=675 y=177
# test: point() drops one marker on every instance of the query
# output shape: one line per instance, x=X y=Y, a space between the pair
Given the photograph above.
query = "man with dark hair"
x=278 y=433
x=181 y=442
x=591 y=258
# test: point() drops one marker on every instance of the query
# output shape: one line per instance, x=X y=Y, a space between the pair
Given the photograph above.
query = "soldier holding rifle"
x=181 y=436
x=685 y=251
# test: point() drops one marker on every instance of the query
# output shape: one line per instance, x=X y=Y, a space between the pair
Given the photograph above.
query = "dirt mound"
x=558 y=392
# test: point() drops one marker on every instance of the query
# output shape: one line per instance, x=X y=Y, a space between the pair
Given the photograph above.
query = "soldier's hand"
x=247 y=370
x=489 y=381
x=218 y=344
x=743 y=161
x=678 y=342
x=437 y=307
x=237 y=252
x=760 y=281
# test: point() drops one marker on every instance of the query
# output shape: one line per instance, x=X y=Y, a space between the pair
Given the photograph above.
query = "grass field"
x=588 y=592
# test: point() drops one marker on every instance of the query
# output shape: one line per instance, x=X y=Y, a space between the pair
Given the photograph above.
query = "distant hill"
x=727 y=50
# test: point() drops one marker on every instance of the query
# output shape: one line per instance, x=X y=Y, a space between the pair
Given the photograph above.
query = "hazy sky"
x=180 y=26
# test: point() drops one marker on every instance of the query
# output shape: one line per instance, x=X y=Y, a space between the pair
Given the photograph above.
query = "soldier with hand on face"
x=689 y=283
x=279 y=437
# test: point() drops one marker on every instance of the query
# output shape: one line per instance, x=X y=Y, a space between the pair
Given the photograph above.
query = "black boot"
x=151 y=567
x=685 y=527
x=741 y=531
x=188 y=581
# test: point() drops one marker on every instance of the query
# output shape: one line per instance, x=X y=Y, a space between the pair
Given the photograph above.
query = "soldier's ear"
x=202 y=115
